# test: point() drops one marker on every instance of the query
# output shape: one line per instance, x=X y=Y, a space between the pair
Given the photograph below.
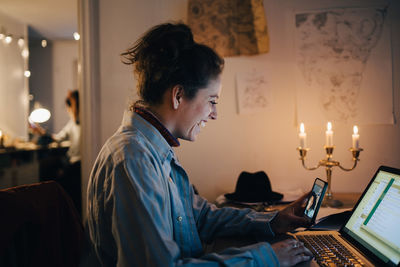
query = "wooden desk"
x=30 y=164
x=348 y=199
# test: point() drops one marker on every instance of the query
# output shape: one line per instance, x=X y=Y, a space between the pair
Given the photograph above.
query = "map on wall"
x=344 y=66
x=253 y=91
x=231 y=27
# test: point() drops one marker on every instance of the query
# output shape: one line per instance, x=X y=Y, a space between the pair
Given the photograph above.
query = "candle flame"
x=355 y=129
x=1 y=133
x=302 y=128
x=329 y=126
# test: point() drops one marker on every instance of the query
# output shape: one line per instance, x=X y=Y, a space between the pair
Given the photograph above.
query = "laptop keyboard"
x=328 y=251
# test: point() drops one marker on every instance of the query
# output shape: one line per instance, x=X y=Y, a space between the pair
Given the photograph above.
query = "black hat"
x=253 y=187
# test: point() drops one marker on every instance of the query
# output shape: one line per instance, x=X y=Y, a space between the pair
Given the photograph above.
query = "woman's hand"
x=36 y=129
x=291 y=252
x=291 y=217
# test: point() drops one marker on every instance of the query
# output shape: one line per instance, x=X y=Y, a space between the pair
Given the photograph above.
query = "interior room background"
x=264 y=140
x=53 y=70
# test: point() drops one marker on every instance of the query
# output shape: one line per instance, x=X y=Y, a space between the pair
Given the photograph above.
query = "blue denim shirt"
x=142 y=209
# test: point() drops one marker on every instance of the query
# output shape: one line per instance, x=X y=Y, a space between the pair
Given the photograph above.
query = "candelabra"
x=329 y=163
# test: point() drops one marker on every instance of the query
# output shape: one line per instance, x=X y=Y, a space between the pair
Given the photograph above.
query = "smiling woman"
x=142 y=208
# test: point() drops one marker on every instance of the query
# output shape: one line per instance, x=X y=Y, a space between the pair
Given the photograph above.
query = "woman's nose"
x=213 y=113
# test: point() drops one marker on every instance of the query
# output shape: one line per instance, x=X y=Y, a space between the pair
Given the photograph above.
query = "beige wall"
x=13 y=84
x=64 y=73
x=264 y=141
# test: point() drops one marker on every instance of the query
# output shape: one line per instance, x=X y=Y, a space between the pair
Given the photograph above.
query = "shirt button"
x=179 y=218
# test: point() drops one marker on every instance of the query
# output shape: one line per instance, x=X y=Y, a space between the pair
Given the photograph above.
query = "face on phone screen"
x=315 y=199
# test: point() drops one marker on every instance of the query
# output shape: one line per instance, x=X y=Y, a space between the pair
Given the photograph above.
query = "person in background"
x=141 y=206
x=68 y=173
x=72 y=130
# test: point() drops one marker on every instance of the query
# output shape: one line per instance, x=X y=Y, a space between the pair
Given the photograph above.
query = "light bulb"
x=25 y=53
x=44 y=43
x=27 y=74
x=77 y=36
x=8 y=39
x=21 y=42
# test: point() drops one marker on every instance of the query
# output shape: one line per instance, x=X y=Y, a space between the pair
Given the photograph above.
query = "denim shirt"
x=142 y=209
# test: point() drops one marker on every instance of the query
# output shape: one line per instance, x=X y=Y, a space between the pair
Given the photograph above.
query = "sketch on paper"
x=333 y=49
x=253 y=92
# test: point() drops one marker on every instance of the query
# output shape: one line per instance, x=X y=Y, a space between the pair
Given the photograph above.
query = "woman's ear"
x=177 y=95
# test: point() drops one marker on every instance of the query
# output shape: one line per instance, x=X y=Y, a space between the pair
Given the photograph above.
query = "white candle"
x=302 y=136
x=329 y=135
x=356 y=137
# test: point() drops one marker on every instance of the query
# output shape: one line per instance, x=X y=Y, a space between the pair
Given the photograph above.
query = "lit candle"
x=302 y=136
x=329 y=135
x=356 y=137
x=1 y=138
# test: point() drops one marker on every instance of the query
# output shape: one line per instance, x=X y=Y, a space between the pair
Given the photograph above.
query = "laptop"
x=372 y=232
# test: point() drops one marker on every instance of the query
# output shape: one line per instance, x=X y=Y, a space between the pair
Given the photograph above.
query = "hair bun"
x=170 y=40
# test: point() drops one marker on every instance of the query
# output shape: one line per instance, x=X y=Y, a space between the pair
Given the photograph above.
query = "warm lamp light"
x=39 y=115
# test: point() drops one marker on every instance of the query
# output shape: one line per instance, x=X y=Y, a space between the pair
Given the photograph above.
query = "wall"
x=54 y=72
x=13 y=86
x=41 y=80
x=264 y=141
x=64 y=73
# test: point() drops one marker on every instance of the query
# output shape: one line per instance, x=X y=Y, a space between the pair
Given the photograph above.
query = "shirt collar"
x=140 y=109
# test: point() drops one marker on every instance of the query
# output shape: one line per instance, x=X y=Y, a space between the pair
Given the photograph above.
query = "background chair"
x=39 y=226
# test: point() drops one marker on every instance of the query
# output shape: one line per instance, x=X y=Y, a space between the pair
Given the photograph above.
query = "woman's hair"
x=166 y=56
x=72 y=101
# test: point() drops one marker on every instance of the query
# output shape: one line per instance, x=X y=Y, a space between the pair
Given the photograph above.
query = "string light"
x=27 y=74
x=25 y=53
x=8 y=39
x=44 y=43
x=77 y=36
x=21 y=42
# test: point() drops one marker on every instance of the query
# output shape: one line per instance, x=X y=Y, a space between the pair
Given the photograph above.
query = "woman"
x=142 y=209
x=67 y=172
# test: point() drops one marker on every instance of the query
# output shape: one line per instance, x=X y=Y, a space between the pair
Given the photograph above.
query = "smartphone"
x=315 y=199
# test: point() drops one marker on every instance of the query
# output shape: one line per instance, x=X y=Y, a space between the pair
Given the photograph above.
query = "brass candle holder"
x=329 y=163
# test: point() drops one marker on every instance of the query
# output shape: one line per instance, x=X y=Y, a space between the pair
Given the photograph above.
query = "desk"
x=29 y=164
x=348 y=200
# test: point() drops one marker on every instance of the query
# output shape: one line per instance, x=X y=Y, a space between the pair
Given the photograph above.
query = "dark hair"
x=72 y=101
x=166 y=56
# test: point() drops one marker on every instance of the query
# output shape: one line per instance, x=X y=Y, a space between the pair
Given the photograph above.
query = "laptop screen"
x=375 y=223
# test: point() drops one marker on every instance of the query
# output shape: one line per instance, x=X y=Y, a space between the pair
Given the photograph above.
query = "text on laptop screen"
x=376 y=221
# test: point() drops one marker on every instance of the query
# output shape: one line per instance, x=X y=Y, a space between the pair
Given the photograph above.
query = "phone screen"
x=315 y=199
